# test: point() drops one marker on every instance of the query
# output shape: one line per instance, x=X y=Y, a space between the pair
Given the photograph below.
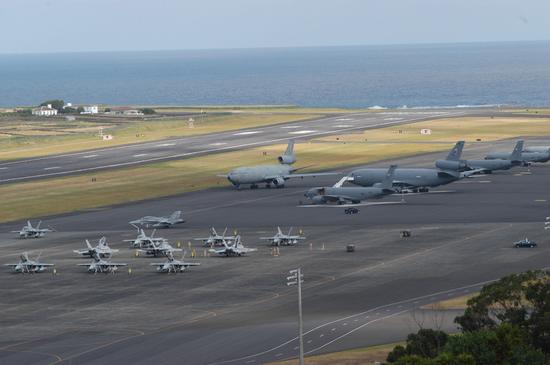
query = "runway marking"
x=251 y=361
x=180 y=155
x=321 y=335
x=342 y=125
x=279 y=354
x=309 y=341
x=393 y=118
x=51 y=168
x=166 y=144
x=141 y=155
x=291 y=126
x=302 y=132
x=540 y=200
x=246 y=133
x=3 y=168
x=343 y=119
x=89 y=156
x=354 y=315
x=218 y=144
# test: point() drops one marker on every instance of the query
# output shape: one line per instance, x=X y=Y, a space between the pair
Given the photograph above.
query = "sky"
x=39 y=26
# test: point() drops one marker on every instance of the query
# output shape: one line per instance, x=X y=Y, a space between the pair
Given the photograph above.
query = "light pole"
x=296 y=278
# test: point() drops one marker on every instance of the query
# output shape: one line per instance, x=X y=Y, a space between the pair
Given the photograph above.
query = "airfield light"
x=297 y=278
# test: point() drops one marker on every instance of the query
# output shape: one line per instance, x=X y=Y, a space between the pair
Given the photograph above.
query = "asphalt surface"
x=239 y=310
x=184 y=147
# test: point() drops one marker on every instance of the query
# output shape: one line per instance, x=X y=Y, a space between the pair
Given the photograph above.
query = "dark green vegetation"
x=508 y=323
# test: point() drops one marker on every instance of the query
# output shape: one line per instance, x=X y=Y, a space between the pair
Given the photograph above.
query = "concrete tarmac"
x=239 y=310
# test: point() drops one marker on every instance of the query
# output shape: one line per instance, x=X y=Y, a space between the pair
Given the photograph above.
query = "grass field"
x=362 y=356
x=66 y=194
x=39 y=137
x=451 y=130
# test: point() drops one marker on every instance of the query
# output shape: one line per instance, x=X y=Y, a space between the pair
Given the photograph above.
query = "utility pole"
x=296 y=278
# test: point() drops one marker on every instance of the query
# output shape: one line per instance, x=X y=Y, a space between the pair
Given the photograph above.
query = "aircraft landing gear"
x=253 y=186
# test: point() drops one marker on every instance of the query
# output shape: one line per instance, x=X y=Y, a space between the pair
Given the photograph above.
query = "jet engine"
x=286 y=159
x=318 y=199
x=279 y=182
x=451 y=165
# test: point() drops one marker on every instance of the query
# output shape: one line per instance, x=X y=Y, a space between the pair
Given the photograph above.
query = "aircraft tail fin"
x=103 y=241
x=516 y=153
x=387 y=183
x=89 y=245
x=279 y=230
x=456 y=153
x=24 y=257
x=288 y=158
x=175 y=216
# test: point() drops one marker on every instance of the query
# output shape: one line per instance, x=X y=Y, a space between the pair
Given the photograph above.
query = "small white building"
x=90 y=109
x=44 y=111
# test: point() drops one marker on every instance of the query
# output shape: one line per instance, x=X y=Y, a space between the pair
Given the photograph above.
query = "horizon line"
x=273 y=47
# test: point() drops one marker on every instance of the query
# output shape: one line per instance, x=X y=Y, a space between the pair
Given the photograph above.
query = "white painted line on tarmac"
x=343 y=119
x=3 y=168
x=166 y=144
x=302 y=132
x=246 y=133
x=342 y=125
x=140 y=155
x=218 y=143
x=52 y=168
x=291 y=126
x=89 y=156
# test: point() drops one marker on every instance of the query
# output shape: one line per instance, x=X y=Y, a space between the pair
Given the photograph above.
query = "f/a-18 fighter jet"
x=162 y=248
x=159 y=222
x=271 y=175
x=215 y=239
x=26 y=265
x=102 y=249
x=103 y=266
x=455 y=162
x=518 y=157
x=234 y=249
x=28 y=231
x=282 y=239
x=142 y=240
x=173 y=265
x=353 y=194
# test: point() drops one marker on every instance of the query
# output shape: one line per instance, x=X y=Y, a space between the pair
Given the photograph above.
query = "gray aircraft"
x=215 y=239
x=28 y=231
x=142 y=240
x=282 y=239
x=455 y=163
x=102 y=249
x=26 y=265
x=159 y=222
x=352 y=194
x=271 y=175
x=521 y=158
x=173 y=265
x=162 y=248
x=411 y=178
x=234 y=249
x=103 y=266
x=541 y=149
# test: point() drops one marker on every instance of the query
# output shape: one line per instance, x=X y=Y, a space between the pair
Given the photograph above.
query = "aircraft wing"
x=44 y=265
x=338 y=198
x=11 y=265
x=473 y=172
x=366 y=204
x=190 y=264
x=218 y=252
x=313 y=174
x=113 y=264
x=448 y=174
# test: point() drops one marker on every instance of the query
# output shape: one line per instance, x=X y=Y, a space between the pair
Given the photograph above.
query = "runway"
x=184 y=147
x=239 y=310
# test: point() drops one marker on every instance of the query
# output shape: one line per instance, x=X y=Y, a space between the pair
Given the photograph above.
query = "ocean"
x=439 y=75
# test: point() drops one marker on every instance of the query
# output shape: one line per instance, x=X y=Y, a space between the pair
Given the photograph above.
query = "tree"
x=148 y=111
x=426 y=343
x=55 y=103
x=522 y=300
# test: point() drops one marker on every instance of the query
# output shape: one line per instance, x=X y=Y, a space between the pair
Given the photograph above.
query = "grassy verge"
x=451 y=130
x=31 y=138
x=66 y=194
x=367 y=355
x=458 y=303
